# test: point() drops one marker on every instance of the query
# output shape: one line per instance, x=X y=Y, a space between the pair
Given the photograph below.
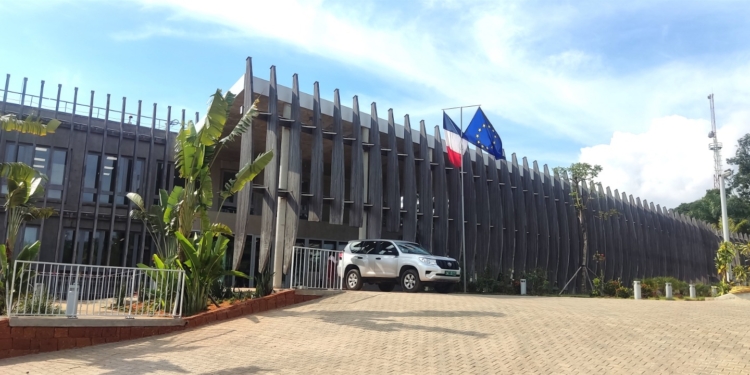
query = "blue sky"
x=622 y=84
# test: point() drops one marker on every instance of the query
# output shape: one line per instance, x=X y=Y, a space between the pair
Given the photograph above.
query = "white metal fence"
x=73 y=290
x=314 y=268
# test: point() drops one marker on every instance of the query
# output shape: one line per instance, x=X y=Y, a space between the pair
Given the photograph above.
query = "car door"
x=361 y=257
x=384 y=260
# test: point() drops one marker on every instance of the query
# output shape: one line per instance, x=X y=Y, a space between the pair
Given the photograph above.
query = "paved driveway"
x=397 y=333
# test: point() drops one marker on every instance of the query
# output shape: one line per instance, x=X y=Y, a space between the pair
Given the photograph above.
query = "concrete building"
x=338 y=175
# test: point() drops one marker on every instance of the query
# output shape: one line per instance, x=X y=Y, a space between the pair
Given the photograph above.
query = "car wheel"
x=386 y=287
x=353 y=279
x=410 y=282
x=444 y=288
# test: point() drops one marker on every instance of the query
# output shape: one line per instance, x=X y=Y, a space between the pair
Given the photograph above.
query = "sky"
x=619 y=84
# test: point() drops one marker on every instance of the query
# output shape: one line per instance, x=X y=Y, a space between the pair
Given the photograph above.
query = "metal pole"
x=463 y=203
x=724 y=220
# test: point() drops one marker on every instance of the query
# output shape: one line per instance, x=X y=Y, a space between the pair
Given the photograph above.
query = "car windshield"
x=412 y=248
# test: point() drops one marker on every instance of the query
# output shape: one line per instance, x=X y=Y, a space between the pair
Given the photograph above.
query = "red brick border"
x=18 y=341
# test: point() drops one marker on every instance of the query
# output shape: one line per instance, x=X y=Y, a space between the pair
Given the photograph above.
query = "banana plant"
x=28 y=253
x=24 y=185
x=204 y=265
x=196 y=149
x=171 y=222
x=31 y=125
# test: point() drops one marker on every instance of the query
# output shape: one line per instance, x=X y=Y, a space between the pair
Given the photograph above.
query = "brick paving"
x=397 y=333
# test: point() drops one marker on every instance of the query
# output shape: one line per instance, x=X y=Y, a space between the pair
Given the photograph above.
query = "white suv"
x=387 y=262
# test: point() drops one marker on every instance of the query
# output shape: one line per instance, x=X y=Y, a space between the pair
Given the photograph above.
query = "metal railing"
x=31 y=102
x=73 y=290
x=314 y=268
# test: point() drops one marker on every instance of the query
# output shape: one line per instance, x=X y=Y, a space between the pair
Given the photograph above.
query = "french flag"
x=455 y=144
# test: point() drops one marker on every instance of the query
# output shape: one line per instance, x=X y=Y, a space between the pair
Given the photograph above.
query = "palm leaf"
x=229 y=98
x=245 y=123
x=185 y=151
x=188 y=249
x=29 y=126
x=137 y=200
x=29 y=252
x=216 y=117
x=247 y=174
x=219 y=228
x=34 y=213
x=172 y=201
x=3 y=260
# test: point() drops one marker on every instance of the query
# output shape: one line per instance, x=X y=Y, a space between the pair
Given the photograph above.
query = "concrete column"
x=280 y=246
x=637 y=289
x=668 y=290
x=366 y=185
x=692 y=291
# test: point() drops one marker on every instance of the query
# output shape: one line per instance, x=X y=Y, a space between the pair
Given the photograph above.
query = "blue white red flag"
x=455 y=145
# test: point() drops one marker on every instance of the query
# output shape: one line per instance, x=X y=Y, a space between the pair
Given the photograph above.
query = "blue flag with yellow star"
x=481 y=134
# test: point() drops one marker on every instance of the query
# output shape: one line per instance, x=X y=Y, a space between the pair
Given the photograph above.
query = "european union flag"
x=481 y=134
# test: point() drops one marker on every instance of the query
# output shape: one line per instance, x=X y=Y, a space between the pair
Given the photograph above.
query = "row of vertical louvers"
x=516 y=217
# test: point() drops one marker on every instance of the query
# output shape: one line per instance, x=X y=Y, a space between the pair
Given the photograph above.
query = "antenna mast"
x=715 y=146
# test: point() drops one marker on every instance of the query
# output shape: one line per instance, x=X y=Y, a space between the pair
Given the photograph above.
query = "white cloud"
x=516 y=60
x=669 y=163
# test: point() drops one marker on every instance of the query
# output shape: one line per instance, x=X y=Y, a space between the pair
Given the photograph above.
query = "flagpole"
x=463 y=203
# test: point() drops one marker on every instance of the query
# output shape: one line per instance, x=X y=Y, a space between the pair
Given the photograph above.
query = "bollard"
x=523 y=287
x=71 y=307
x=668 y=290
x=692 y=290
x=637 y=289
x=714 y=291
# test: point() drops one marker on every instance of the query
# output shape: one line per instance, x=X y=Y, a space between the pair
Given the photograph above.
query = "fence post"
x=9 y=296
x=132 y=287
x=291 y=276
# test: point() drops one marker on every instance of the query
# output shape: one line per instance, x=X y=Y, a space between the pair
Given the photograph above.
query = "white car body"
x=385 y=261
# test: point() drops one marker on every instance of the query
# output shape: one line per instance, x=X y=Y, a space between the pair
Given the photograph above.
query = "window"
x=388 y=248
x=39 y=158
x=412 y=248
x=30 y=235
x=381 y=248
x=115 y=249
x=68 y=245
x=91 y=177
x=115 y=176
x=368 y=247
x=56 y=174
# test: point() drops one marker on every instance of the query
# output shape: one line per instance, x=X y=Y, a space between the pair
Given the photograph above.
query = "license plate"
x=450 y=273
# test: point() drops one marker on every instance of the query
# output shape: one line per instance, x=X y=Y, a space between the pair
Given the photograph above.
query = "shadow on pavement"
x=389 y=321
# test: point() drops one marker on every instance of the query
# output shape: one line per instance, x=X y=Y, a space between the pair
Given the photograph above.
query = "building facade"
x=338 y=174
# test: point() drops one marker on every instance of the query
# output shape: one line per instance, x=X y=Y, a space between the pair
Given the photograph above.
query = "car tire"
x=386 y=287
x=444 y=288
x=410 y=282
x=353 y=280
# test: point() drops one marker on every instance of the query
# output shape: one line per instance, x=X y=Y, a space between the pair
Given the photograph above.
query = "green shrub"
x=702 y=290
x=597 y=291
x=611 y=286
x=623 y=292
x=537 y=283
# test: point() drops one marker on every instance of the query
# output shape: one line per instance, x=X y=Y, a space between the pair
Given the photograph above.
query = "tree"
x=24 y=185
x=171 y=222
x=580 y=173
x=740 y=181
x=708 y=209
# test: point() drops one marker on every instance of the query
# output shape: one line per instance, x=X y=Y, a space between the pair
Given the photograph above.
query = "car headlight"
x=428 y=261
